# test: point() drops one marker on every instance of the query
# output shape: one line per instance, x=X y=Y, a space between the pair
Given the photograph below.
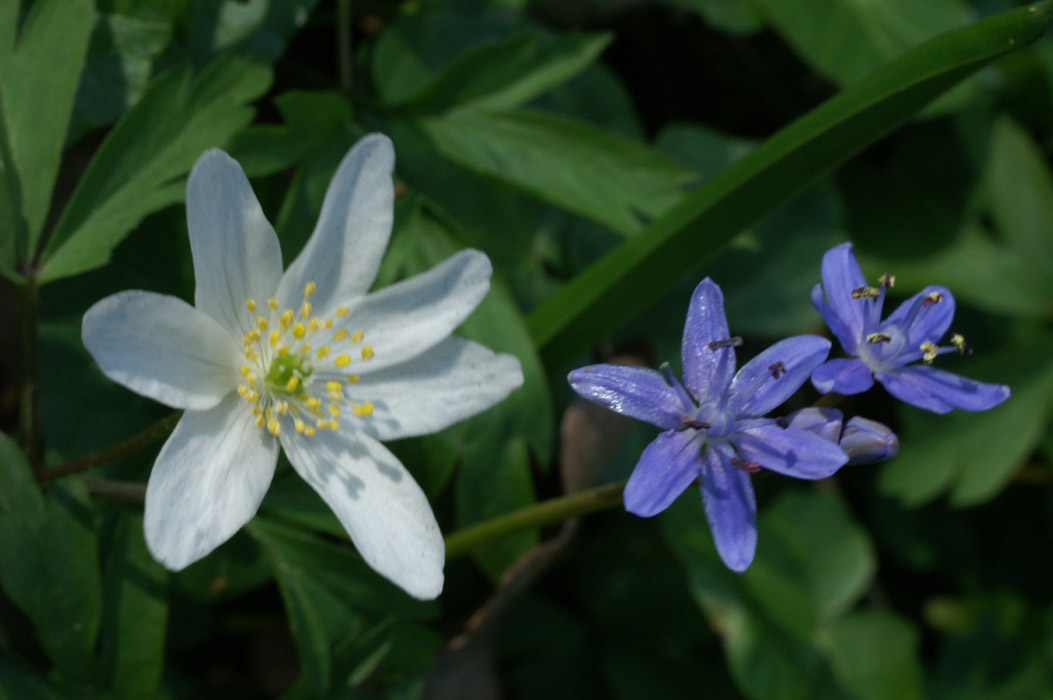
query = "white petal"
x=378 y=502
x=452 y=381
x=406 y=319
x=343 y=254
x=235 y=249
x=207 y=482
x=160 y=346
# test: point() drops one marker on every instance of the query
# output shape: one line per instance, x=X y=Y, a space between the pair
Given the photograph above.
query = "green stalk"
x=548 y=512
x=31 y=438
x=112 y=453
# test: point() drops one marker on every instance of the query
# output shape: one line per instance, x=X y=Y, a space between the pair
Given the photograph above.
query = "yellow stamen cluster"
x=930 y=350
x=866 y=293
x=284 y=373
x=878 y=338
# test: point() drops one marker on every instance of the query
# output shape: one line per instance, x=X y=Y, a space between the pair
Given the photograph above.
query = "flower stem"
x=343 y=41
x=133 y=444
x=828 y=400
x=543 y=513
x=30 y=435
x=122 y=491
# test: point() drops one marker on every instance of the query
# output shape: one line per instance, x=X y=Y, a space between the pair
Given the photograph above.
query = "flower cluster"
x=304 y=361
x=714 y=429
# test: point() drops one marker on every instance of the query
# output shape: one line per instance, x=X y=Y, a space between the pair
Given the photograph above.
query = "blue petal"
x=667 y=467
x=841 y=275
x=939 y=391
x=824 y=422
x=930 y=322
x=866 y=441
x=706 y=372
x=731 y=508
x=849 y=340
x=638 y=392
x=756 y=384
x=845 y=376
x=788 y=450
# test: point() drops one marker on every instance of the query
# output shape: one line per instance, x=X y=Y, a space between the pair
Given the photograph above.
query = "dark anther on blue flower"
x=782 y=422
x=958 y=341
x=874 y=338
x=777 y=369
x=694 y=423
x=887 y=281
x=733 y=342
x=750 y=467
x=866 y=293
x=933 y=298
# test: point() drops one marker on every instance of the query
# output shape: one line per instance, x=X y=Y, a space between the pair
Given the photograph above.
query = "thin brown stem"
x=135 y=443
x=121 y=491
x=343 y=41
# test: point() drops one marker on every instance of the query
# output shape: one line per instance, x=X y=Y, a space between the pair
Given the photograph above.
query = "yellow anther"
x=320 y=423
x=282 y=350
x=287 y=317
x=352 y=378
x=333 y=386
x=332 y=424
x=245 y=370
x=313 y=403
x=274 y=427
x=340 y=334
x=260 y=421
x=328 y=323
x=878 y=338
x=243 y=390
x=357 y=336
x=269 y=412
x=299 y=425
x=342 y=311
x=322 y=351
x=367 y=352
x=253 y=335
x=255 y=410
x=866 y=293
x=308 y=290
x=306 y=347
x=308 y=430
x=930 y=350
x=274 y=338
x=290 y=386
x=253 y=396
x=306 y=309
x=273 y=303
x=335 y=396
x=313 y=325
x=250 y=304
x=334 y=410
x=283 y=407
x=343 y=360
x=251 y=379
x=934 y=298
x=261 y=323
x=299 y=331
x=362 y=409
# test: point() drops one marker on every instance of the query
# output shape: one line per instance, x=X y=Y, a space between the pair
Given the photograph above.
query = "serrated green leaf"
x=975 y=454
x=564 y=162
x=505 y=73
x=48 y=563
x=637 y=272
x=134 y=614
x=141 y=165
x=39 y=72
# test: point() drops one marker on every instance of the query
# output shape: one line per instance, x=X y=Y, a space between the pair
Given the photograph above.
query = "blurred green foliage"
x=606 y=156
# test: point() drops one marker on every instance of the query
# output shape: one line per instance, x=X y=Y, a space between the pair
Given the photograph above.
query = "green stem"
x=343 y=41
x=828 y=400
x=135 y=443
x=544 y=513
x=30 y=434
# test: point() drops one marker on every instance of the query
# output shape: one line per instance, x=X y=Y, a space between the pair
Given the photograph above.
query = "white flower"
x=305 y=360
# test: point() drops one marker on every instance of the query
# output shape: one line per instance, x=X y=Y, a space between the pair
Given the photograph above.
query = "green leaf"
x=260 y=27
x=735 y=16
x=18 y=683
x=874 y=656
x=777 y=619
x=330 y=595
x=49 y=563
x=141 y=165
x=846 y=40
x=562 y=161
x=637 y=272
x=505 y=73
x=975 y=454
x=39 y=72
x=134 y=614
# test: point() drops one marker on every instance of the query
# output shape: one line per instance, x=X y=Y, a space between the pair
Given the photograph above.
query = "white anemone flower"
x=304 y=360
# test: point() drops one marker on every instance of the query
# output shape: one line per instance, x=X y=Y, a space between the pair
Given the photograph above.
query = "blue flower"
x=884 y=349
x=865 y=441
x=713 y=429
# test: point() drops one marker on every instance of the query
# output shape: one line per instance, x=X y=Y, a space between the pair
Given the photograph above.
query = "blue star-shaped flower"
x=884 y=349
x=713 y=429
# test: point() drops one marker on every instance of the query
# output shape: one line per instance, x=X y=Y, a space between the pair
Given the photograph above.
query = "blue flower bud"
x=867 y=441
x=824 y=422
